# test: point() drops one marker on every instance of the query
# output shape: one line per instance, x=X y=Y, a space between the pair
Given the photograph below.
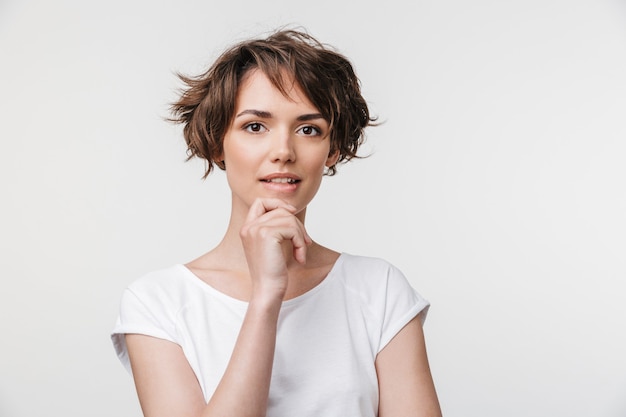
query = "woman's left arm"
x=404 y=379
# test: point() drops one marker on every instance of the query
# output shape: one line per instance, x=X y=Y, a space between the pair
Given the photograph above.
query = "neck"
x=231 y=246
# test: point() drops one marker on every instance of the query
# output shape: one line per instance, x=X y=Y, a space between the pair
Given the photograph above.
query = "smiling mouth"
x=282 y=181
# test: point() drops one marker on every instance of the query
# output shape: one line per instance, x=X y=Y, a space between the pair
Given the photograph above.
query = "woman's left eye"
x=254 y=127
x=310 y=131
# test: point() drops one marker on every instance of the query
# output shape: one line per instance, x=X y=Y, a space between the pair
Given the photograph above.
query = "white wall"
x=497 y=184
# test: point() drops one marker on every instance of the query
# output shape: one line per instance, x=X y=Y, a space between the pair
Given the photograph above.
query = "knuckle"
x=264 y=231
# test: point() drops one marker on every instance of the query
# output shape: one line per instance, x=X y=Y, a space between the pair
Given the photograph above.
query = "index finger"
x=261 y=206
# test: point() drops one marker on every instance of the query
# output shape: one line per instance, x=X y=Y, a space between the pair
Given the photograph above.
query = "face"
x=276 y=146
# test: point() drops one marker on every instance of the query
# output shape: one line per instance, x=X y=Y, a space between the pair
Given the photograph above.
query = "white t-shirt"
x=327 y=338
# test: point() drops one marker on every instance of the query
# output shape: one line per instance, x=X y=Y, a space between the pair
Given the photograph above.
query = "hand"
x=270 y=236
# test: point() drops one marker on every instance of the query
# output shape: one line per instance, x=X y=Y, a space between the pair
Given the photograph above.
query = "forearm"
x=271 y=236
x=244 y=388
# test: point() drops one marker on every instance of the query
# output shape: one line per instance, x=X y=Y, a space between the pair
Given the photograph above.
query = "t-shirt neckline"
x=296 y=300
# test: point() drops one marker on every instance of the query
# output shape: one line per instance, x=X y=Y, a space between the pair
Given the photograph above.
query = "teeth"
x=283 y=180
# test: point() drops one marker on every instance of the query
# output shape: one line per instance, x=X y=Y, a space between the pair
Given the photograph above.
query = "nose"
x=282 y=147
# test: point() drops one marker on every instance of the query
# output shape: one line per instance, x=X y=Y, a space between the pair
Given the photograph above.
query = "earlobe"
x=219 y=161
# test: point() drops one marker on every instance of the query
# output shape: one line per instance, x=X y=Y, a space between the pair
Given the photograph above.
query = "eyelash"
x=248 y=127
x=316 y=131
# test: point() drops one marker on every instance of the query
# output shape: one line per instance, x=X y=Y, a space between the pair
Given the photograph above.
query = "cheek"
x=318 y=167
x=318 y=164
x=236 y=154
x=321 y=153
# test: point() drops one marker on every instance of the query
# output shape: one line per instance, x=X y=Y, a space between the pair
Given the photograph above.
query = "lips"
x=281 y=178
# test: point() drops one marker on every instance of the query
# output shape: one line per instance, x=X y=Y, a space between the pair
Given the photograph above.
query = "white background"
x=497 y=184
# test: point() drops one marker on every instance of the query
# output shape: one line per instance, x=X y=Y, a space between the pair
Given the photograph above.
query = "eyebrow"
x=267 y=115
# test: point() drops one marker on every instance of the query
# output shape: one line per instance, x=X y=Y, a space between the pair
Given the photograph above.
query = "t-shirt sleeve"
x=402 y=304
x=140 y=316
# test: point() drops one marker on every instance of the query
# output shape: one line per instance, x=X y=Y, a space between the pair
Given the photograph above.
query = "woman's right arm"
x=165 y=382
x=167 y=386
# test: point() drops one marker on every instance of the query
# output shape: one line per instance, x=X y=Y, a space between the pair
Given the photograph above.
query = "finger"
x=301 y=244
x=307 y=238
x=261 y=206
x=299 y=248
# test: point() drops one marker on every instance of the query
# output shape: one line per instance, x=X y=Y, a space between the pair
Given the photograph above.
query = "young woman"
x=269 y=322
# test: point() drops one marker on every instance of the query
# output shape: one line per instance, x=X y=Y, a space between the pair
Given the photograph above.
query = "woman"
x=270 y=322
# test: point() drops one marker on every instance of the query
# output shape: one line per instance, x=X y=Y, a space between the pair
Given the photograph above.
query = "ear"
x=219 y=161
x=332 y=159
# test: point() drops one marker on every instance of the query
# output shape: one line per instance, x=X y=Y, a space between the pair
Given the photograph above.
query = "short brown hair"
x=207 y=103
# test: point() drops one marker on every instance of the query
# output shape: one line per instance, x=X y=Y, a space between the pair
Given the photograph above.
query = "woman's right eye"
x=254 y=127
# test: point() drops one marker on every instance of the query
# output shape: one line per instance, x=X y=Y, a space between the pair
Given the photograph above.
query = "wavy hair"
x=207 y=102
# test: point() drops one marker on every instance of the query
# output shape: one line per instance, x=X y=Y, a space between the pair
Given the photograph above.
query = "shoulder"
x=165 y=287
x=373 y=278
x=368 y=271
x=160 y=279
x=149 y=306
x=383 y=291
x=154 y=300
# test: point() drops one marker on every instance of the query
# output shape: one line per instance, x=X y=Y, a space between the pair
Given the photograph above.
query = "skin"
x=265 y=257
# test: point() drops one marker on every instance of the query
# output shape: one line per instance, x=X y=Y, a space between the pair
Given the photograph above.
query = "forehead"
x=256 y=87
